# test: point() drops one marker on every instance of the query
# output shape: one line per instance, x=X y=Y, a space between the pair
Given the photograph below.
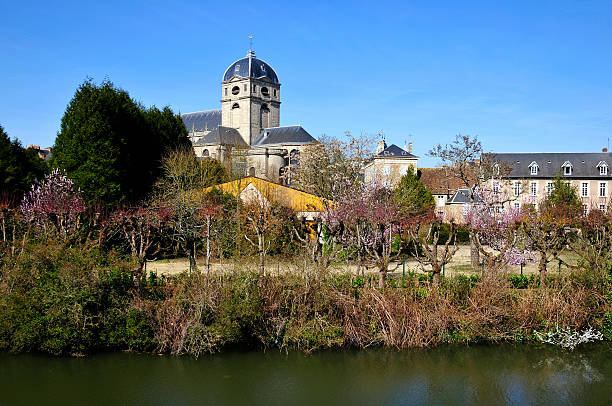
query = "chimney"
x=604 y=150
x=410 y=148
x=381 y=146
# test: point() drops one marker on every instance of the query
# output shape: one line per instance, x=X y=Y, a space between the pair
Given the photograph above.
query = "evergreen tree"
x=411 y=196
x=19 y=167
x=563 y=198
x=111 y=146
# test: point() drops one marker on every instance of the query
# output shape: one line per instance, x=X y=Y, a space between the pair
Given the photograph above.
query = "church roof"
x=294 y=134
x=202 y=120
x=250 y=67
x=393 y=151
x=222 y=136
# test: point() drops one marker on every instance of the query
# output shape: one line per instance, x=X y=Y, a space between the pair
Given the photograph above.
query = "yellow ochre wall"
x=295 y=199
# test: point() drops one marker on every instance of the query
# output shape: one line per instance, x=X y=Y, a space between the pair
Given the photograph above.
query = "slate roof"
x=461 y=196
x=202 y=120
x=393 y=151
x=294 y=134
x=224 y=136
x=250 y=67
x=584 y=164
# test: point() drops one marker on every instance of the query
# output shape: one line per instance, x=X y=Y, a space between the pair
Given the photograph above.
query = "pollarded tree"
x=111 y=146
x=367 y=222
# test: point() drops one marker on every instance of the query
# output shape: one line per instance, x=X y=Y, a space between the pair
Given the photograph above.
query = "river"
x=451 y=375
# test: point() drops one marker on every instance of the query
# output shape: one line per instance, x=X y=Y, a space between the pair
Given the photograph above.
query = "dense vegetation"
x=74 y=300
x=111 y=146
x=19 y=167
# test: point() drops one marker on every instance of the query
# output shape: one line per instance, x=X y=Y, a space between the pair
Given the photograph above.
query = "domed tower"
x=250 y=97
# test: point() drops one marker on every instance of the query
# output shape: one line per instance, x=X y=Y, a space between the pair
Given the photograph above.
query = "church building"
x=245 y=134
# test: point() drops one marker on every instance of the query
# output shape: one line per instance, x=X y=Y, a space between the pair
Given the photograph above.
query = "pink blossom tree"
x=497 y=229
x=368 y=223
x=54 y=204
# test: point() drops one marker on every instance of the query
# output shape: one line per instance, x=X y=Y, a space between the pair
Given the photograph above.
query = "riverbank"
x=78 y=301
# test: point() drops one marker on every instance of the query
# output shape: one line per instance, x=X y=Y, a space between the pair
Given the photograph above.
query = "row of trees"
x=108 y=144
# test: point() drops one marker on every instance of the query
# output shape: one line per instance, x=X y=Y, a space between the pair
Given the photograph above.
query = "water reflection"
x=481 y=375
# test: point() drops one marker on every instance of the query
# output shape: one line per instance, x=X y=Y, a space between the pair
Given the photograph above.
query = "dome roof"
x=250 y=67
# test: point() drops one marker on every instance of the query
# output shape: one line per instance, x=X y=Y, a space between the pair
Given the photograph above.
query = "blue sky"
x=523 y=76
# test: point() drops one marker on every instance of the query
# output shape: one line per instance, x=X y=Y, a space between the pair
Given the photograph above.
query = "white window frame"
x=386 y=170
x=495 y=188
x=603 y=187
x=549 y=188
x=602 y=207
x=603 y=168
x=584 y=189
x=517 y=188
x=585 y=209
x=534 y=168
x=517 y=206
x=567 y=168
x=533 y=188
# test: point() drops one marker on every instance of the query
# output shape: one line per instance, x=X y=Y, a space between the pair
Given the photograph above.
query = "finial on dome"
x=250 y=52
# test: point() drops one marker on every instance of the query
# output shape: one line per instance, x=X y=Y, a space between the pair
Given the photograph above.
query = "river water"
x=451 y=375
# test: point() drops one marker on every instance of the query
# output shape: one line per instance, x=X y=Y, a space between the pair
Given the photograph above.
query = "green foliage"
x=412 y=196
x=563 y=195
x=19 y=167
x=68 y=300
x=111 y=146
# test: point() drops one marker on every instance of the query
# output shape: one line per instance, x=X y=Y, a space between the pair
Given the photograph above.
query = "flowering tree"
x=466 y=161
x=54 y=204
x=327 y=168
x=367 y=222
x=549 y=228
x=496 y=229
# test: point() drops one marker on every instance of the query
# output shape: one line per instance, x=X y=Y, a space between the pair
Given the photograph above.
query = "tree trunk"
x=436 y=278
x=382 y=276
x=542 y=269
x=474 y=253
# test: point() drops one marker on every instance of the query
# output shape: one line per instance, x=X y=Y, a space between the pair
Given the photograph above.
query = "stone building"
x=531 y=175
x=529 y=180
x=245 y=133
x=390 y=163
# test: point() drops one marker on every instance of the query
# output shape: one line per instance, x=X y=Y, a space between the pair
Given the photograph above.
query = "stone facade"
x=389 y=164
x=245 y=134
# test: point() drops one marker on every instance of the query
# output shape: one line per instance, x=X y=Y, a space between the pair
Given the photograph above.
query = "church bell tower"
x=250 y=97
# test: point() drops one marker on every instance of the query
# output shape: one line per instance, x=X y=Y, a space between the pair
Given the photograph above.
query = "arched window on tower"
x=264 y=116
x=235 y=116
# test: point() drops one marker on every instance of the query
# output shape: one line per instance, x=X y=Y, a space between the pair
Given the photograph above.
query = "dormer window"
x=603 y=168
x=567 y=168
x=534 y=168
